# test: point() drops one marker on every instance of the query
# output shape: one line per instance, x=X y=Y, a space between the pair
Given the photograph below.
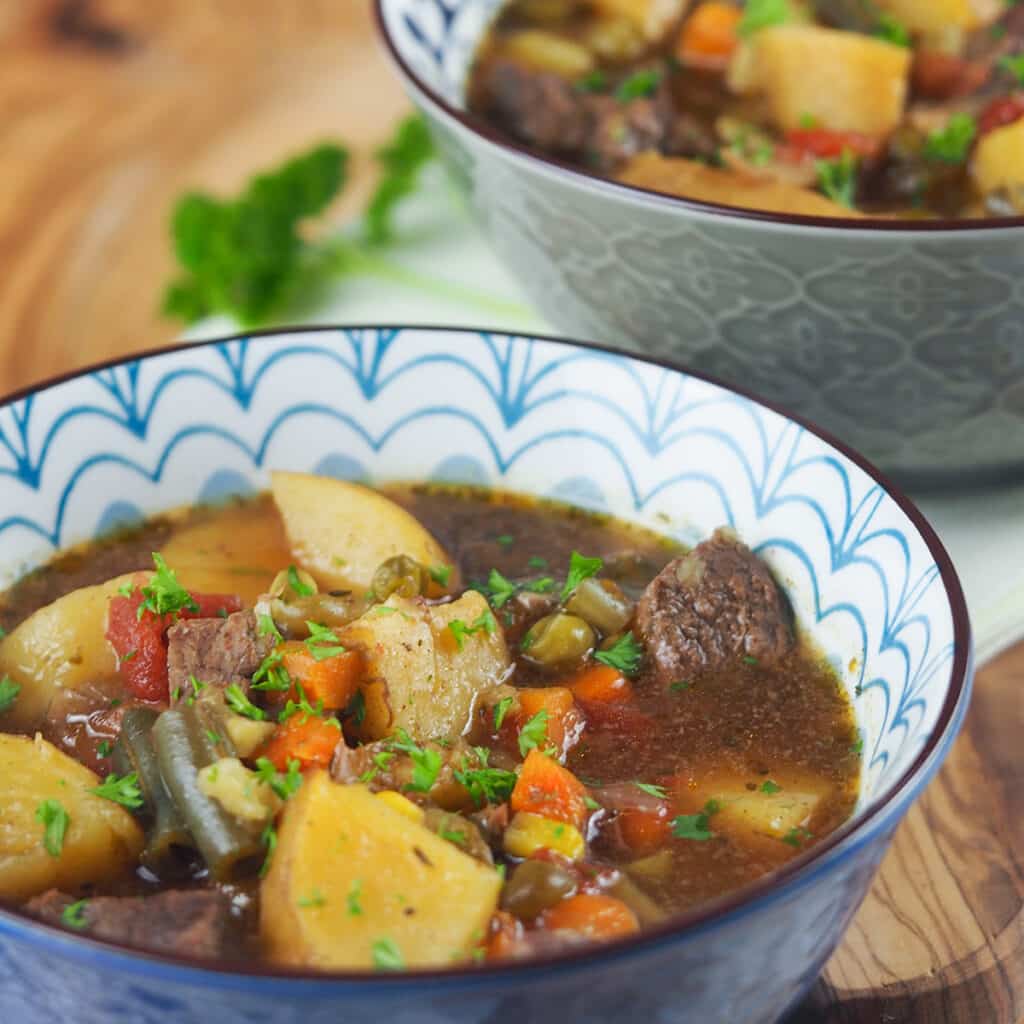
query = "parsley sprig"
x=696 y=827
x=624 y=655
x=534 y=732
x=499 y=589
x=9 y=691
x=164 y=595
x=322 y=643
x=121 y=789
x=483 y=623
x=484 y=783
x=284 y=785
x=580 y=569
x=54 y=818
x=426 y=762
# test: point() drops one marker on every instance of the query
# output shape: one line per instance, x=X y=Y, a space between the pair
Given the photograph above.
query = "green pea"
x=400 y=575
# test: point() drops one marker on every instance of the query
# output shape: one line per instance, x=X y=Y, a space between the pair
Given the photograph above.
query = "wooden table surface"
x=109 y=109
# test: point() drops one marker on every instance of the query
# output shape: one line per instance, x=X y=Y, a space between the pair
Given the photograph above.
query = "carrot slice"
x=547 y=788
x=710 y=32
x=333 y=680
x=602 y=683
x=311 y=742
x=564 y=722
x=591 y=914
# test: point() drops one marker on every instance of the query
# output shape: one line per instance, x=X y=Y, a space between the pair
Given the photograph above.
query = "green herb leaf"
x=796 y=837
x=591 y=804
x=593 y=81
x=651 y=790
x=55 y=821
x=770 y=787
x=485 y=785
x=295 y=582
x=322 y=643
x=314 y=900
x=952 y=144
x=639 y=84
x=624 y=655
x=285 y=786
x=536 y=562
x=696 y=827
x=104 y=748
x=267 y=627
x=1015 y=66
x=236 y=699
x=837 y=178
x=9 y=691
x=164 y=595
x=353 y=899
x=534 y=732
x=681 y=686
x=892 y=31
x=244 y=257
x=356 y=709
x=484 y=622
x=426 y=763
x=123 y=790
x=401 y=160
x=73 y=915
x=501 y=710
x=386 y=956
x=500 y=589
x=269 y=839
x=440 y=574
x=580 y=569
x=760 y=14
x=272 y=675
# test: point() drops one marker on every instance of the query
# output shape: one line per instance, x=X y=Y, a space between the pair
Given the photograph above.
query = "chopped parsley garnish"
x=285 y=785
x=272 y=675
x=387 y=956
x=808 y=121
x=536 y=562
x=892 y=31
x=593 y=81
x=123 y=790
x=401 y=161
x=240 y=703
x=680 y=686
x=500 y=590
x=164 y=595
x=440 y=574
x=426 y=763
x=696 y=826
x=9 y=691
x=639 y=84
x=796 y=837
x=1015 y=65
x=295 y=582
x=353 y=899
x=534 y=732
x=73 y=915
x=483 y=623
x=269 y=839
x=104 y=748
x=591 y=804
x=770 y=787
x=749 y=659
x=837 y=178
x=484 y=784
x=125 y=658
x=501 y=710
x=356 y=709
x=322 y=642
x=315 y=899
x=304 y=708
x=580 y=569
x=505 y=540
x=458 y=838
x=760 y=14
x=952 y=144
x=265 y=626
x=651 y=790
x=55 y=821
x=858 y=746
x=624 y=655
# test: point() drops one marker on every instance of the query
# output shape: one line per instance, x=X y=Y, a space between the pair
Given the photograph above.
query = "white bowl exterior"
x=603 y=431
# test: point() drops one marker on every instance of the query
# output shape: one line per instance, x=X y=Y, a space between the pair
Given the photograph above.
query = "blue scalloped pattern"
x=604 y=431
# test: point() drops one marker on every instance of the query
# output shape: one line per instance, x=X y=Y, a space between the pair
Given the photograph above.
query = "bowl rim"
x=730 y=908
x=563 y=169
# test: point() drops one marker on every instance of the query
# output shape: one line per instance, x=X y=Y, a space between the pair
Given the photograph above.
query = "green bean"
x=400 y=575
x=188 y=739
x=602 y=604
x=558 y=639
x=134 y=752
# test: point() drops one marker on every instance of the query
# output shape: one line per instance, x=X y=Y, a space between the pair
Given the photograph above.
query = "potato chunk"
x=239 y=552
x=102 y=839
x=351 y=873
x=60 y=646
x=845 y=81
x=998 y=160
x=417 y=675
x=653 y=17
x=341 y=532
x=941 y=15
x=693 y=180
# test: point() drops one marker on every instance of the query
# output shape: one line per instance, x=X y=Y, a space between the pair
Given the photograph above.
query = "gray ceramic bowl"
x=906 y=339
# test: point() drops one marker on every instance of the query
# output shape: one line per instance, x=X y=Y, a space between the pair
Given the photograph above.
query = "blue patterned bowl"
x=868 y=579
x=904 y=338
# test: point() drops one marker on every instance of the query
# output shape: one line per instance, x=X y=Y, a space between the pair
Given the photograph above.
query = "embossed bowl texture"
x=905 y=339
x=646 y=442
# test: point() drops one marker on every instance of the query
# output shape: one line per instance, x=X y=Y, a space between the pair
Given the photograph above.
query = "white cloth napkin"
x=442 y=273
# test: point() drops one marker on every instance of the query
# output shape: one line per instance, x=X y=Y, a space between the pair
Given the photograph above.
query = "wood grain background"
x=110 y=109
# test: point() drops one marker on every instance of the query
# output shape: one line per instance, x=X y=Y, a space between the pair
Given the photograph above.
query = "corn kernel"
x=402 y=804
x=527 y=833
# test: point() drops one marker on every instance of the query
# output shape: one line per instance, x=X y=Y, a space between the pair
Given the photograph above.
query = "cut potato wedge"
x=693 y=180
x=340 y=532
x=998 y=160
x=417 y=677
x=61 y=645
x=845 y=81
x=102 y=840
x=941 y=15
x=239 y=552
x=353 y=878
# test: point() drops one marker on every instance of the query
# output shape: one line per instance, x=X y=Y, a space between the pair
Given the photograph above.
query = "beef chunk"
x=714 y=605
x=194 y=922
x=216 y=651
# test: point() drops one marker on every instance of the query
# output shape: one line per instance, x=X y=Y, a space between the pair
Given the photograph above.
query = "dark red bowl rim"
x=479 y=127
x=764 y=889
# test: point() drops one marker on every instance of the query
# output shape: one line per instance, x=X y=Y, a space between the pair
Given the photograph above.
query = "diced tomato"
x=1001 y=112
x=825 y=144
x=140 y=643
